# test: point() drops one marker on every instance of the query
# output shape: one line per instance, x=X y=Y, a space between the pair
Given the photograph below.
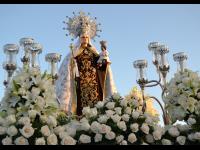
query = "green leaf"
x=16 y=86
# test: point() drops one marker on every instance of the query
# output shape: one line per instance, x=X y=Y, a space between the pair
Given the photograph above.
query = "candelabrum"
x=162 y=67
x=26 y=44
x=53 y=59
x=35 y=50
x=10 y=65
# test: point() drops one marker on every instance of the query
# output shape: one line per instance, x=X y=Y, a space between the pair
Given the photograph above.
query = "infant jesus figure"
x=103 y=56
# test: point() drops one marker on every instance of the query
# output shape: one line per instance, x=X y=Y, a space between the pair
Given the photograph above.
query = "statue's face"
x=84 y=38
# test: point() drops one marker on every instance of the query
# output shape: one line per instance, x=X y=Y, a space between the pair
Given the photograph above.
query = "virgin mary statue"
x=82 y=82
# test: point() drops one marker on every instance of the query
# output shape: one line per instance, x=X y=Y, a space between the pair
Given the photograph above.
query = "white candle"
x=33 y=61
x=53 y=68
x=163 y=60
x=182 y=66
x=141 y=73
x=11 y=58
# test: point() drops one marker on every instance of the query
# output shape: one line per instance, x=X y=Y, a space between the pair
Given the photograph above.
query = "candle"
x=33 y=61
x=53 y=68
x=11 y=58
x=141 y=70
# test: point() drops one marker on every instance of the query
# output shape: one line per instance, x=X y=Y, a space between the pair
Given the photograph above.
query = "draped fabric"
x=72 y=74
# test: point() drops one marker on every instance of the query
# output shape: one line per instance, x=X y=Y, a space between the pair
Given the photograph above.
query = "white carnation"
x=132 y=138
x=7 y=141
x=119 y=138
x=2 y=121
x=93 y=112
x=166 y=142
x=21 y=141
x=3 y=130
x=145 y=128
x=52 y=121
x=191 y=121
x=134 y=127
x=118 y=110
x=173 y=131
x=198 y=95
x=71 y=131
x=109 y=113
x=110 y=135
x=85 y=126
x=122 y=125
x=58 y=130
x=149 y=120
x=181 y=140
x=104 y=129
x=135 y=114
x=86 y=111
x=12 y=131
x=110 y=105
x=123 y=103
x=128 y=110
x=126 y=117
x=24 y=121
x=52 y=140
x=197 y=136
x=116 y=118
x=103 y=119
x=67 y=140
x=44 y=119
x=45 y=131
x=84 y=139
x=99 y=104
x=11 y=119
x=27 y=131
x=95 y=127
x=40 y=141
x=63 y=135
x=98 y=137
x=191 y=137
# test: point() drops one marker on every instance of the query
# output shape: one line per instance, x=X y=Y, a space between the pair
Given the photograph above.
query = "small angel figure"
x=103 y=55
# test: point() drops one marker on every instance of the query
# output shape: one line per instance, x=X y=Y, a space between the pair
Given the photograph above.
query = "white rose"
x=98 y=137
x=109 y=113
x=116 y=96
x=40 y=141
x=21 y=141
x=110 y=135
x=86 y=111
x=58 y=130
x=85 y=126
x=166 y=142
x=181 y=140
x=12 y=131
x=128 y=110
x=118 y=110
x=116 y=118
x=173 y=131
x=44 y=119
x=126 y=117
x=95 y=126
x=132 y=138
x=110 y=105
x=123 y=103
x=145 y=128
x=157 y=134
x=84 y=120
x=134 y=127
x=197 y=136
x=84 y=139
x=52 y=121
x=7 y=141
x=183 y=128
x=52 y=140
x=71 y=131
x=119 y=138
x=124 y=142
x=122 y=125
x=27 y=131
x=104 y=128
x=67 y=140
x=99 y=104
x=191 y=121
x=11 y=119
x=135 y=114
x=93 y=112
x=191 y=137
x=45 y=131
x=149 y=138
x=3 y=130
x=103 y=119
x=32 y=114
x=24 y=121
